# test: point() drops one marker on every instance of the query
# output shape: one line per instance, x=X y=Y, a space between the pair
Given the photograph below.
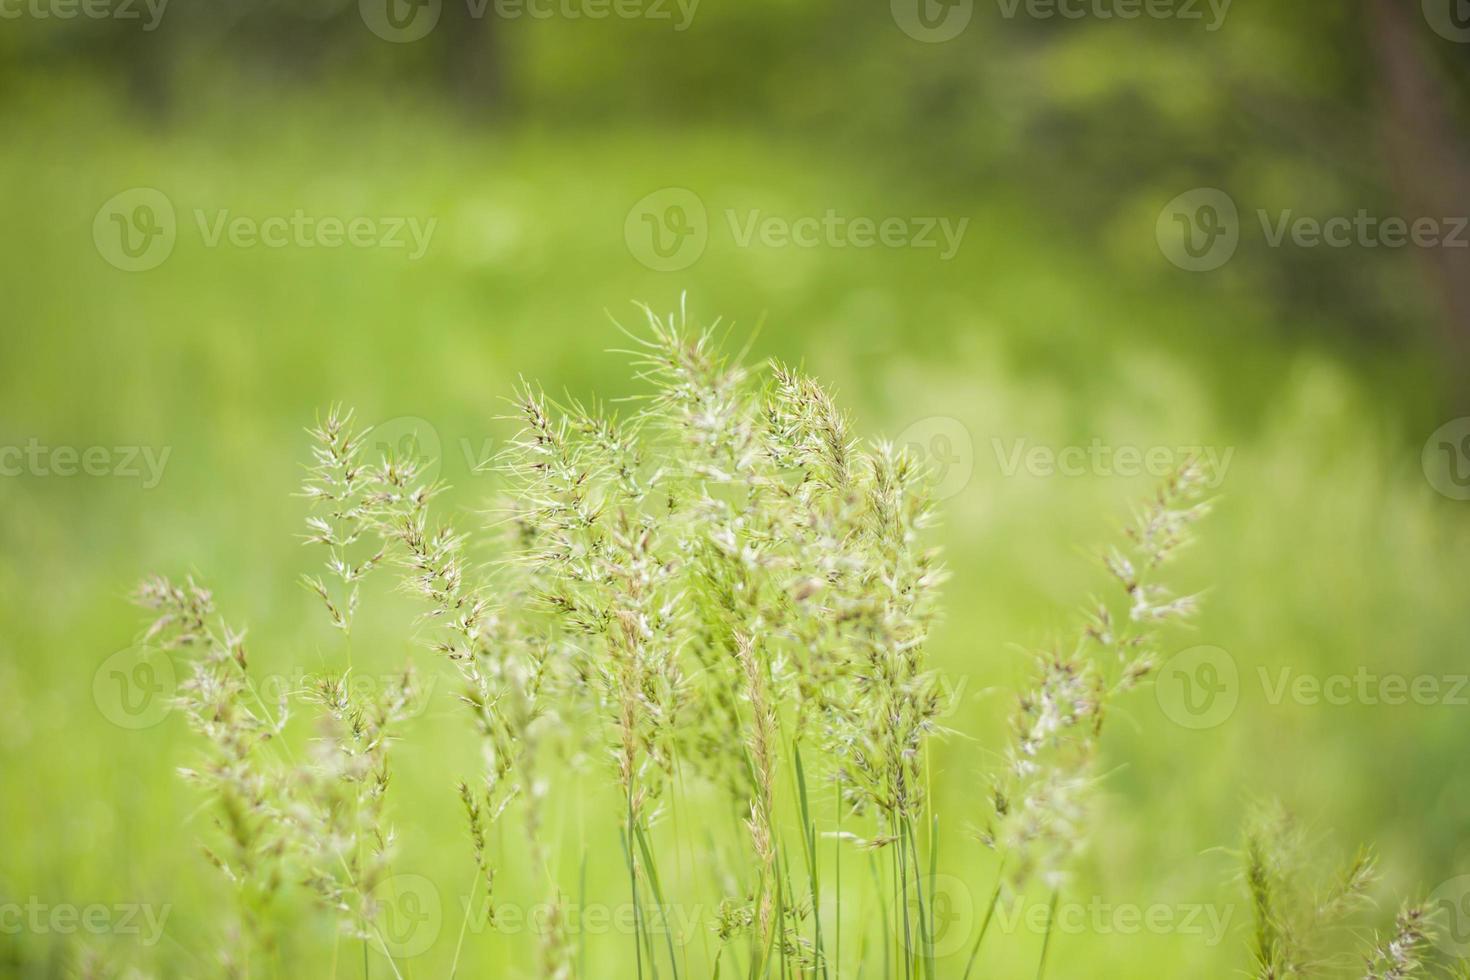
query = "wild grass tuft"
x=720 y=592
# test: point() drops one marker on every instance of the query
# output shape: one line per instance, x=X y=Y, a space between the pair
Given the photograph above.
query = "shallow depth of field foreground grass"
x=1019 y=371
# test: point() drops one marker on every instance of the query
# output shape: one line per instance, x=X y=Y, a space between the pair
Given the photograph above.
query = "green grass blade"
x=809 y=838
x=985 y=925
x=658 y=894
x=1051 y=914
x=633 y=883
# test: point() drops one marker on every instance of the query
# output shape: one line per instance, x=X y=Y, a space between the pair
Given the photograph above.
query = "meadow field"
x=161 y=422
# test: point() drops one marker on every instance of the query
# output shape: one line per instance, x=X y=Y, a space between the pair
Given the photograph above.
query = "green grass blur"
x=1329 y=550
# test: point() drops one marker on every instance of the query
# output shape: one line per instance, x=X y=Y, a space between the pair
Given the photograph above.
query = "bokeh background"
x=1117 y=285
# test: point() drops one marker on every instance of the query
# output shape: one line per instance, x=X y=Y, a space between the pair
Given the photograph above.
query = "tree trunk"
x=1429 y=166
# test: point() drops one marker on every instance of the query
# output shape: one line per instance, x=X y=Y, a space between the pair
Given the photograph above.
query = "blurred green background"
x=572 y=164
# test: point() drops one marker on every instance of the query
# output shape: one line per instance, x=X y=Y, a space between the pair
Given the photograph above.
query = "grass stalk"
x=464 y=925
x=1051 y=915
x=809 y=840
x=658 y=895
x=837 y=883
x=985 y=923
x=925 y=949
x=633 y=889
